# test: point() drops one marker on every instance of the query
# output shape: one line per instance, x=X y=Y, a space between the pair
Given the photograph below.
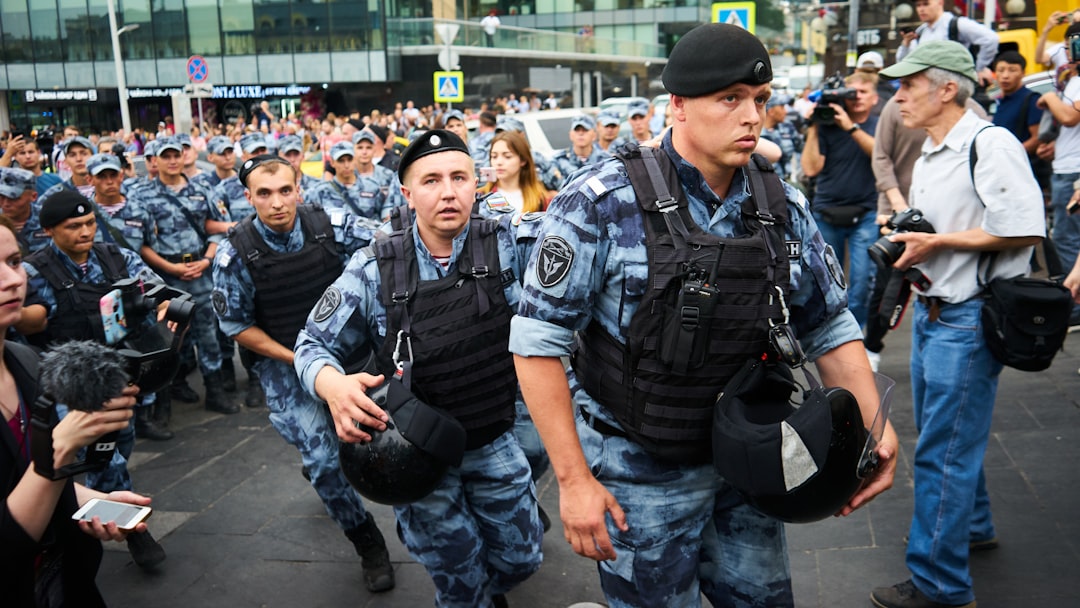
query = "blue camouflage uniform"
x=302 y=421
x=115 y=475
x=229 y=202
x=171 y=235
x=362 y=198
x=480 y=149
x=390 y=187
x=478 y=534
x=614 y=146
x=686 y=523
x=568 y=163
x=307 y=185
x=210 y=179
x=129 y=222
x=785 y=135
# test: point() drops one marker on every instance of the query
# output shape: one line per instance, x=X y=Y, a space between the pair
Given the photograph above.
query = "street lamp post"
x=121 y=82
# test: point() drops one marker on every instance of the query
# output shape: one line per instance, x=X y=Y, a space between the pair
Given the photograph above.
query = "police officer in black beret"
x=616 y=282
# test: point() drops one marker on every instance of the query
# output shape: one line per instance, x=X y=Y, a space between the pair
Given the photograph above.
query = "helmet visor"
x=868 y=462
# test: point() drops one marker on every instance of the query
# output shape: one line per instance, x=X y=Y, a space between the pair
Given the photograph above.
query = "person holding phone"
x=36 y=529
x=515 y=174
x=70 y=276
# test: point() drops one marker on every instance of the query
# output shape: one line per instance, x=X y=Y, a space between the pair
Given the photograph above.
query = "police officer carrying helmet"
x=268 y=275
x=630 y=442
x=451 y=281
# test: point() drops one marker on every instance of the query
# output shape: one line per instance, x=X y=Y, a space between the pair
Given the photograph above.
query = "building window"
x=170 y=31
x=310 y=31
x=204 y=27
x=272 y=27
x=15 y=25
x=45 y=30
x=238 y=26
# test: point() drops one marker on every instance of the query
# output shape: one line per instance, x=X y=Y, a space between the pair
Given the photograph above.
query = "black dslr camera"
x=84 y=374
x=832 y=91
x=884 y=252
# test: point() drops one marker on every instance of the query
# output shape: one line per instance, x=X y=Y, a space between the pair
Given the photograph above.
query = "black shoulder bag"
x=1025 y=318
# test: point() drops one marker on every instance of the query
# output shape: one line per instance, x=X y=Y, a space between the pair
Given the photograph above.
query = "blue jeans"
x=690 y=534
x=954 y=382
x=478 y=534
x=857 y=238
x=1066 y=232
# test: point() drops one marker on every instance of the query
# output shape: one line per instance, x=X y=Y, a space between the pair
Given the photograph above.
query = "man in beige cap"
x=995 y=206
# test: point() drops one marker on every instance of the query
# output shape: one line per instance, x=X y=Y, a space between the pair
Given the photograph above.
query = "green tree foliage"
x=769 y=16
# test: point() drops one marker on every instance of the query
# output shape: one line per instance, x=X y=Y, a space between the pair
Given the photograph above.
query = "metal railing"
x=421 y=32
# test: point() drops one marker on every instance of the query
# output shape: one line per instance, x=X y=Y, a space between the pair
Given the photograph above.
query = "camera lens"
x=885 y=252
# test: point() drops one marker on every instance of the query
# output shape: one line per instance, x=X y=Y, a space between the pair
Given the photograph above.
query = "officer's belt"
x=182 y=258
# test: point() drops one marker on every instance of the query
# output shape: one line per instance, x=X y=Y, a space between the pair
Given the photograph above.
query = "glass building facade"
x=56 y=56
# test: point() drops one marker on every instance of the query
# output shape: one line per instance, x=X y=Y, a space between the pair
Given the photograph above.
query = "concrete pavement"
x=243 y=528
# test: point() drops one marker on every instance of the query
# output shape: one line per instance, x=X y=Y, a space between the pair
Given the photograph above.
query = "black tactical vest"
x=287 y=285
x=707 y=309
x=458 y=325
x=78 y=310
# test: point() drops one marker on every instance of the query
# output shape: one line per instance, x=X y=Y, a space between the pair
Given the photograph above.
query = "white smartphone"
x=125 y=515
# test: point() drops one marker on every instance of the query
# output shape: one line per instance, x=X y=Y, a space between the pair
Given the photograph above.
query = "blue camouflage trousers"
x=690 y=534
x=203 y=332
x=529 y=440
x=306 y=424
x=478 y=534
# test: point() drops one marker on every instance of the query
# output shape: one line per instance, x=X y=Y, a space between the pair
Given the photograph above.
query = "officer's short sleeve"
x=233 y=297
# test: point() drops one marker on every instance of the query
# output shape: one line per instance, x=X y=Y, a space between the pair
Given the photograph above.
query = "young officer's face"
x=721 y=129
x=274 y=196
x=441 y=189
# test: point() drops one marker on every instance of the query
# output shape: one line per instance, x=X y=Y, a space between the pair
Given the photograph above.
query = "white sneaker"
x=875 y=360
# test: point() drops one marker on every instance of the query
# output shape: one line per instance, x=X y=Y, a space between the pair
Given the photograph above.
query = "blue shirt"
x=1012 y=114
x=847 y=178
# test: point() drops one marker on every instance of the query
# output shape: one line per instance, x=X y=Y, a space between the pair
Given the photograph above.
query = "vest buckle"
x=402 y=337
x=666 y=205
x=400 y=297
x=479 y=272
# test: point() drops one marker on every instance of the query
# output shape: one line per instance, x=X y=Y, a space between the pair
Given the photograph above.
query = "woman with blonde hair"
x=515 y=174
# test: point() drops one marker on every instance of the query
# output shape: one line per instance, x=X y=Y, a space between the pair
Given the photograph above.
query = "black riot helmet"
x=407 y=461
x=798 y=463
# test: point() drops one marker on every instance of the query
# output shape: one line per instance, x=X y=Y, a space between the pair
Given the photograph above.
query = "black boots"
x=146 y=427
x=374 y=559
x=182 y=390
x=255 y=396
x=228 y=376
x=216 y=400
x=146 y=551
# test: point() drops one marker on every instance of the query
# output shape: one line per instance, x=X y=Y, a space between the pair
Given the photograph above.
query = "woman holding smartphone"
x=46 y=555
x=515 y=174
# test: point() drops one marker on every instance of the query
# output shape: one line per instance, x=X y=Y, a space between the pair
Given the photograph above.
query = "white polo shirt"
x=942 y=189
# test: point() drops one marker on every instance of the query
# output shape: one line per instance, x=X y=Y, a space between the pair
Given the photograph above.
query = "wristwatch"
x=853 y=128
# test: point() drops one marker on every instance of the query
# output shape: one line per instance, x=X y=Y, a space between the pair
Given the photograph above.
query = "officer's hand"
x=908 y=37
x=883 y=476
x=584 y=505
x=919 y=246
x=349 y=404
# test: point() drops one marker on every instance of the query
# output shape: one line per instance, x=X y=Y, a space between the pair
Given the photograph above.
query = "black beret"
x=382 y=132
x=63 y=205
x=715 y=56
x=255 y=162
x=357 y=124
x=431 y=142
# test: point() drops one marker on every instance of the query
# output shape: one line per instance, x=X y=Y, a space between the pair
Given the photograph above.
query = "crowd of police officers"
x=307 y=277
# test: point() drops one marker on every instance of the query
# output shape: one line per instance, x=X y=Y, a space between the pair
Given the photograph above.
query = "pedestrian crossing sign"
x=449 y=87
x=742 y=14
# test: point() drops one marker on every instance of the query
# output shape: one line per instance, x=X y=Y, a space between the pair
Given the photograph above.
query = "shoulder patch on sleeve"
x=221 y=304
x=327 y=304
x=530 y=216
x=553 y=265
x=497 y=202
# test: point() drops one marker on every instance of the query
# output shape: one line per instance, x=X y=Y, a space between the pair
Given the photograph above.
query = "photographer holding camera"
x=994 y=206
x=43 y=546
x=839 y=144
x=71 y=275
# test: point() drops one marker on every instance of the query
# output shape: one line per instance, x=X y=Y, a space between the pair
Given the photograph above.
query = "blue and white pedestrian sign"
x=449 y=87
x=197 y=70
x=742 y=14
